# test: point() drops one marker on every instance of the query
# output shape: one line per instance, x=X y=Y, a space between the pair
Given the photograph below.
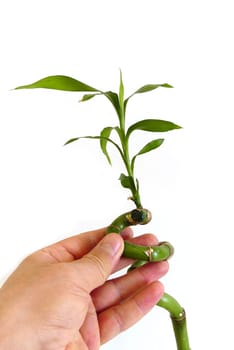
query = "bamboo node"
x=149 y=252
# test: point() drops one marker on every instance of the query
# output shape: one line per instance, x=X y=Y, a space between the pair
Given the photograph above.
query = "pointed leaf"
x=127 y=181
x=147 y=88
x=147 y=148
x=153 y=125
x=96 y=138
x=59 y=82
x=114 y=99
x=120 y=134
x=65 y=83
x=150 y=146
x=105 y=133
x=150 y=87
x=88 y=97
x=71 y=140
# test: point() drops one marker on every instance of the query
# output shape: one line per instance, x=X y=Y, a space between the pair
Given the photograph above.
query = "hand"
x=59 y=297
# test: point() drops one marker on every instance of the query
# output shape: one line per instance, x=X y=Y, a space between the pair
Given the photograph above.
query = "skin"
x=61 y=297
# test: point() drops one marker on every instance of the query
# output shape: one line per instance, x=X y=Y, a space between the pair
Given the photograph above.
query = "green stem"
x=125 y=149
x=151 y=253
x=178 y=318
x=142 y=255
x=125 y=145
x=135 y=192
x=137 y=252
x=138 y=216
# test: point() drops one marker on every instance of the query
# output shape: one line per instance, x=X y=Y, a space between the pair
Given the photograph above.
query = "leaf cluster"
x=119 y=103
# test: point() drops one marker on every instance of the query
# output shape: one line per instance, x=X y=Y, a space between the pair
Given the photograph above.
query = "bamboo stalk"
x=148 y=253
x=144 y=254
x=178 y=318
x=140 y=216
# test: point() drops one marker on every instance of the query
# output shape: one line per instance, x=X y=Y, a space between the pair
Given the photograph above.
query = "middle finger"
x=118 y=289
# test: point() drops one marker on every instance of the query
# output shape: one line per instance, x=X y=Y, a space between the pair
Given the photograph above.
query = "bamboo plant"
x=138 y=215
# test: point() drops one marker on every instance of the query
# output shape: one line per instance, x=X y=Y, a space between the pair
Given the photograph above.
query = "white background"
x=48 y=192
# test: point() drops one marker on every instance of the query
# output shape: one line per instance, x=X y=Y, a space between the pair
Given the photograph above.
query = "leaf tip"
x=178 y=126
x=168 y=86
x=109 y=161
x=70 y=141
x=17 y=88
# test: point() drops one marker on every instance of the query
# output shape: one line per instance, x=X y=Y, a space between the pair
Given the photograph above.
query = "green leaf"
x=147 y=88
x=147 y=148
x=59 y=82
x=127 y=181
x=153 y=125
x=114 y=99
x=150 y=146
x=105 y=133
x=150 y=87
x=71 y=140
x=96 y=138
x=89 y=96
x=65 y=83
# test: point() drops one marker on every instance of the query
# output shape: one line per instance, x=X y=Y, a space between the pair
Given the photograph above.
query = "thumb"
x=96 y=266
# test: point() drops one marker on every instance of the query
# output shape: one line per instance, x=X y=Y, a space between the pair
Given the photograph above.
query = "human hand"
x=59 y=297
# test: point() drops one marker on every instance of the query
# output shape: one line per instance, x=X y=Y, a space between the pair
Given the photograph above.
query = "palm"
x=63 y=307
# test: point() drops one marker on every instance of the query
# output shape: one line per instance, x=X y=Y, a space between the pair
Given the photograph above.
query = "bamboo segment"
x=144 y=254
x=178 y=318
x=150 y=253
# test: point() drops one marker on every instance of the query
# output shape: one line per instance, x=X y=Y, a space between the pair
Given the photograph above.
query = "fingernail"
x=112 y=243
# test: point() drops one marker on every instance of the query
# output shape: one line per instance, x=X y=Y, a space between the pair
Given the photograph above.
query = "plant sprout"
x=139 y=215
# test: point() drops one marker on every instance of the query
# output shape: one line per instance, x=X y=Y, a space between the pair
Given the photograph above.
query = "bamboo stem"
x=178 y=318
x=144 y=254
x=137 y=252
x=151 y=253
